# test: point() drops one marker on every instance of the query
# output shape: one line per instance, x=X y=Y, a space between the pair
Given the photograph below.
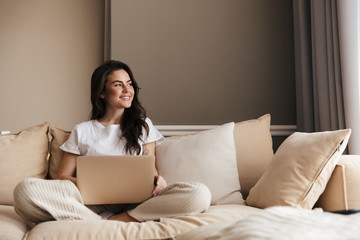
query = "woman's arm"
x=149 y=149
x=67 y=167
x=160 y=184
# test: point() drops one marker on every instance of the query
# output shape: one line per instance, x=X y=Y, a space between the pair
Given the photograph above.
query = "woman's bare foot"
x=124 y=217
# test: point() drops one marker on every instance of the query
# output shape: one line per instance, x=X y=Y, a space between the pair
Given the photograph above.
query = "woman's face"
x=119 y=91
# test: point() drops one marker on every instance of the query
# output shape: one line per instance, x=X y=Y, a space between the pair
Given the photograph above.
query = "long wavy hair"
x=133 y=120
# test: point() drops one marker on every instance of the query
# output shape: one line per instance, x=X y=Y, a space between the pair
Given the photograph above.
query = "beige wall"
x=197 y=61
x=208 y=61
x=48 y=50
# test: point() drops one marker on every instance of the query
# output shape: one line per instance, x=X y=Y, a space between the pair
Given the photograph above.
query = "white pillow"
x=208 y=157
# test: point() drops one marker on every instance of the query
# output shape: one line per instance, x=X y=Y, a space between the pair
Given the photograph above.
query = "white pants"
x=37 y=200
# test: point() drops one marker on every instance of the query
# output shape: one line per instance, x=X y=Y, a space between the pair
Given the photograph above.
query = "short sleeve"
x=72 y=144
x=154 y=134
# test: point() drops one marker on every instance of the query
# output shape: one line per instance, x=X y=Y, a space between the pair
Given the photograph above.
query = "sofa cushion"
x=286 y=223
x=164 y=229
x=208 y=157
x=22 y=155
x=254 y=150
x=342 y=191
x=300 y=170
x=59 y=136
x=11 y=225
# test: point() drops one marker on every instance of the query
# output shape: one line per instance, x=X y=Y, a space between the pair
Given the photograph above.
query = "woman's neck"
x=111 y=118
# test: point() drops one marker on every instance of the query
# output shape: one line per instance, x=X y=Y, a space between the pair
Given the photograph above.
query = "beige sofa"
x=34 y=152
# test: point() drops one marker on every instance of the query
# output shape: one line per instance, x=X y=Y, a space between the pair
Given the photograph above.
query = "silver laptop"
x=115 y=179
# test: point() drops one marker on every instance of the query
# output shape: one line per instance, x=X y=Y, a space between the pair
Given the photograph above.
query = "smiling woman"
x=118 y=126
x=111 y=94
x=118 y=93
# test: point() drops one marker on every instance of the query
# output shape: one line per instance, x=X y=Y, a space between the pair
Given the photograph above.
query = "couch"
x=236 y=161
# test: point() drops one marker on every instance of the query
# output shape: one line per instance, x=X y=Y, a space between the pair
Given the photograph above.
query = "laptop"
x=115 y=179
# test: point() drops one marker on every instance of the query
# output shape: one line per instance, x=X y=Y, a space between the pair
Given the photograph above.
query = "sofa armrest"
x=343 y=189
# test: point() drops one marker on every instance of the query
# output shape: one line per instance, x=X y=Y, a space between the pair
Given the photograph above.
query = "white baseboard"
x=173 y=130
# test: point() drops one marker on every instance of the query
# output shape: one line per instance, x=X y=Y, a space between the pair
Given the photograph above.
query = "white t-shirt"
x=91 y=138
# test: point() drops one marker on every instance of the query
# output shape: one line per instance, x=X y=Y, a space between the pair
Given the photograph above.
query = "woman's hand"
x=160 y=184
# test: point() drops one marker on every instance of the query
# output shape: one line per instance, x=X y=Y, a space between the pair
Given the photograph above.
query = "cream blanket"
x=283 y=223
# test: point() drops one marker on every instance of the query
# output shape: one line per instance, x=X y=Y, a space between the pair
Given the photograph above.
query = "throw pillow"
x=208 y=157
x=59 y=136
x=254 y=150
x=22 y=155
x=342 y=192
x=300 y=170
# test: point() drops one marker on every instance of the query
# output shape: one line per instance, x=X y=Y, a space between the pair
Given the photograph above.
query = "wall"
x=208 y=61
x=48 y=52
x=50 y=48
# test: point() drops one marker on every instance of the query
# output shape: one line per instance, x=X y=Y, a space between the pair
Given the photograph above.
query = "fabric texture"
x=39 y=200
x=300 y=170
x=11 y=225
x=319 y=85
x=59 y=136
x=282 y=223
x=179 y=199
x=22 y=155
x=347 y=12
x=342 y=191
x=208 y=157
x=91 y=138
x=163 y=229
x=253 y=143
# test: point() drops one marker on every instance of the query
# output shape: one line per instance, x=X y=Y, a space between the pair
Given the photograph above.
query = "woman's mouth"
x=125 y=98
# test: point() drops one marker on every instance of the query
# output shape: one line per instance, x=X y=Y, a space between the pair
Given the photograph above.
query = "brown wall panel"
x=208 y=61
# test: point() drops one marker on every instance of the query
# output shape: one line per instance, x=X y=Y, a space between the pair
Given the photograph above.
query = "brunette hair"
x=133 y=120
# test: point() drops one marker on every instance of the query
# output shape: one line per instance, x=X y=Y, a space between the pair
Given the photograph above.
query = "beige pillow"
x=342 y=192
x=254 y=150
x=208 y=157
x=22 y=155
x=300 y=170
x=253 y=143
x=59 y=136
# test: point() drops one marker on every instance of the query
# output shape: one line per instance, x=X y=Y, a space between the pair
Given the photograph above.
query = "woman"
x=118 y=126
